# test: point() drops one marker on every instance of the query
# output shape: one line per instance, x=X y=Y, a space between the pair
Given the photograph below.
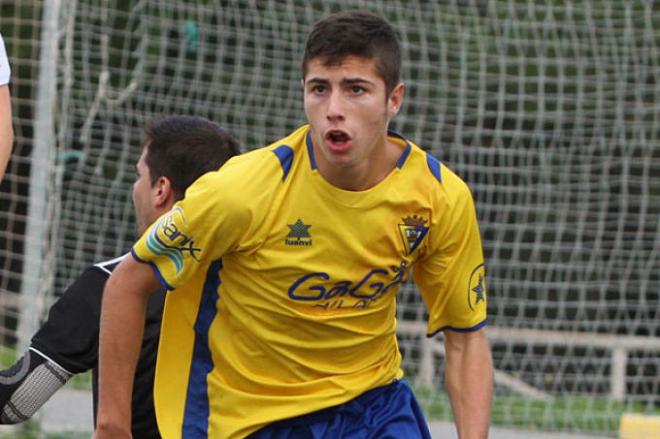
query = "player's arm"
x=469 y=378
x=27 y=385
x=451 y=277
x=122 y=323
x=66 y=344
x=6 y=127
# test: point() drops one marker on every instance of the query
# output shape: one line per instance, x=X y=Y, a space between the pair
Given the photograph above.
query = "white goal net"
x=549 y=110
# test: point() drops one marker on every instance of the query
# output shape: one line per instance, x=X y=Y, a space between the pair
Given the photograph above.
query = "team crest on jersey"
x=298 y=234
x=412 y=232
x=476 y=293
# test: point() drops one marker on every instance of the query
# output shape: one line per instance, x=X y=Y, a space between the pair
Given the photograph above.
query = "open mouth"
x=337 y=137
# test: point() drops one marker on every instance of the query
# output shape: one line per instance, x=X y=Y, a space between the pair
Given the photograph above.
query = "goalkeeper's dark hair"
x=355 y=33
x=183 y=148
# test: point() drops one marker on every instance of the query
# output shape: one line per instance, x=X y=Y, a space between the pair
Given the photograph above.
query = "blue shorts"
x=385 y=412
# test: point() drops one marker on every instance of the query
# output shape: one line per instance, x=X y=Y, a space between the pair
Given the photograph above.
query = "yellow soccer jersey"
x=285 y=286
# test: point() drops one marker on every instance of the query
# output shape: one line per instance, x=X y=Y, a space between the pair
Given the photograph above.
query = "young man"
x=285 y=266
x=6 y=127
x=177 y=151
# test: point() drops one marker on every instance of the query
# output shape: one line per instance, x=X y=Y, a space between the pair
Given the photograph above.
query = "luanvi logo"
x=298 y=234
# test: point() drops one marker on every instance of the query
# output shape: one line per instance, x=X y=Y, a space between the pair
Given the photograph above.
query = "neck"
x=364 y=174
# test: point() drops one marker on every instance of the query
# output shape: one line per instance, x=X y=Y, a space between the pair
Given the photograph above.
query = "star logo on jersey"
x=476 y=293
x=298 y=234
x=413 y=231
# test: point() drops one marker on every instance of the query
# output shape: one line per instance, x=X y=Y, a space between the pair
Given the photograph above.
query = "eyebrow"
x=345 y=81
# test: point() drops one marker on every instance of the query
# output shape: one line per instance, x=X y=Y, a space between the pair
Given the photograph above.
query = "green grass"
x=31 y=430
x=575 y=415
x=7 y=357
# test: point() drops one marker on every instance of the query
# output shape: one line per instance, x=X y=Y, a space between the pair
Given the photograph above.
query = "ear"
x=162 y=192
x=395 y=100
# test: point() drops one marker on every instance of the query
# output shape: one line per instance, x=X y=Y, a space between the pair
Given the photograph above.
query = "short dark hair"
x=355 y=33
x=183 y=148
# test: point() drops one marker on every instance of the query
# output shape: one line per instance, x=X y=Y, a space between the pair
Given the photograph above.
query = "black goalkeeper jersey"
x=70 y=338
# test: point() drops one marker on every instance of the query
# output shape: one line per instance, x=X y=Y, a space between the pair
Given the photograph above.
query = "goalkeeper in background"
x=177 y=150
x=285 y=267
x=6 y=127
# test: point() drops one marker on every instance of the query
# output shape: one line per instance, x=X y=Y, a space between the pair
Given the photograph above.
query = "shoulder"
x=437 y=179
x=272 y=161
x=254 y=174
x=79 y=305
x=91 y=281
x=238 y=197
x=108 y=266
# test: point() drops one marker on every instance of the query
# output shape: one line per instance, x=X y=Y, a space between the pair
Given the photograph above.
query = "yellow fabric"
x=307 y=297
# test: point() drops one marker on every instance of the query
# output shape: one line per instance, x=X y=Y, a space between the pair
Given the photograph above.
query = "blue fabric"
x=285 y=154
x=310 y=150
x=388 y=412
x=434 y=166
x=196 y=416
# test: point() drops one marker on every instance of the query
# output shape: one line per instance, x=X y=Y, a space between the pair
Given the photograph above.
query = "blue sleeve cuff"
x=474 y=328
x=154 y=267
